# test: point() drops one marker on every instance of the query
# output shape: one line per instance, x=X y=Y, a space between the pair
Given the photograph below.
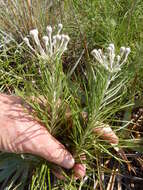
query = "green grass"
x=90 y=24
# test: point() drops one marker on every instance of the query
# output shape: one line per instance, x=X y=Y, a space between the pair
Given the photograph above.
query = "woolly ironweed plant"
x=83 y=104
x=77 y=111
x=79 y=114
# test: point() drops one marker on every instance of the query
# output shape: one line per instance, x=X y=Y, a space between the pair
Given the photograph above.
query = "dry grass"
x=19 y=17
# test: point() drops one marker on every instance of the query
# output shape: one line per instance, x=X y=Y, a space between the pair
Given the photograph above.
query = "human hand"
x=21 y=133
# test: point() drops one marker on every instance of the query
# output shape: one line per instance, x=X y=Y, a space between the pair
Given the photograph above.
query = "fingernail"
x=68 y=162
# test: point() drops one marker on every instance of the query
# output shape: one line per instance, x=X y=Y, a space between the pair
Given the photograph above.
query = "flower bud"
x=66 y=38
x=26 y=40
x=60 y=26
x=49 y=30
x=128 y=50
x=34 y=32
x=94 y=52
x=112 y=46
x=100 y=52
x=46 y=40
x=122 y=49
x=58 y=37
x=109 y=49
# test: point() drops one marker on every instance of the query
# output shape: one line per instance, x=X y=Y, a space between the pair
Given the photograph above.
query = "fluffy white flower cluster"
x=54 y=45
x=109 y=60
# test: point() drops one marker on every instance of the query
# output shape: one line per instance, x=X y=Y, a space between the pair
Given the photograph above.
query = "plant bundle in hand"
x=84 y=127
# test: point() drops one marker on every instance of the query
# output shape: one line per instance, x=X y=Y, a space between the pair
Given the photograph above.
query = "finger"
x=79 y=171
x=106 y=133
x=80 y=168
x=58 y=174
x=56 y=152
x=42 y=143
x=26 y=135
x=31 y=137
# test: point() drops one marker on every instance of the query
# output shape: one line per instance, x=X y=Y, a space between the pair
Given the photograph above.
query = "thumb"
x=37 y=140
x=21 y=133
x=53 y=150
x=31 y=137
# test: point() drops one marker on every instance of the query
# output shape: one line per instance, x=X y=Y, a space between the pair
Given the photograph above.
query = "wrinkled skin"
x=21 y=133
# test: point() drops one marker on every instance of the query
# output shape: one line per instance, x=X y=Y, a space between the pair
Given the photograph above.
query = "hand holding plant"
x=57 y=101
x=53 y=85
x=21 y=133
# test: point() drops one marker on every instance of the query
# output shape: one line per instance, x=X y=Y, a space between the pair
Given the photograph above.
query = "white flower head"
x=49 y=30
x=109 y=60
x=122 y=49
x=54 y=45
x=60 y=27
x=46 y=41
x=34 y=32
x=26 y=40
x=128 y=50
